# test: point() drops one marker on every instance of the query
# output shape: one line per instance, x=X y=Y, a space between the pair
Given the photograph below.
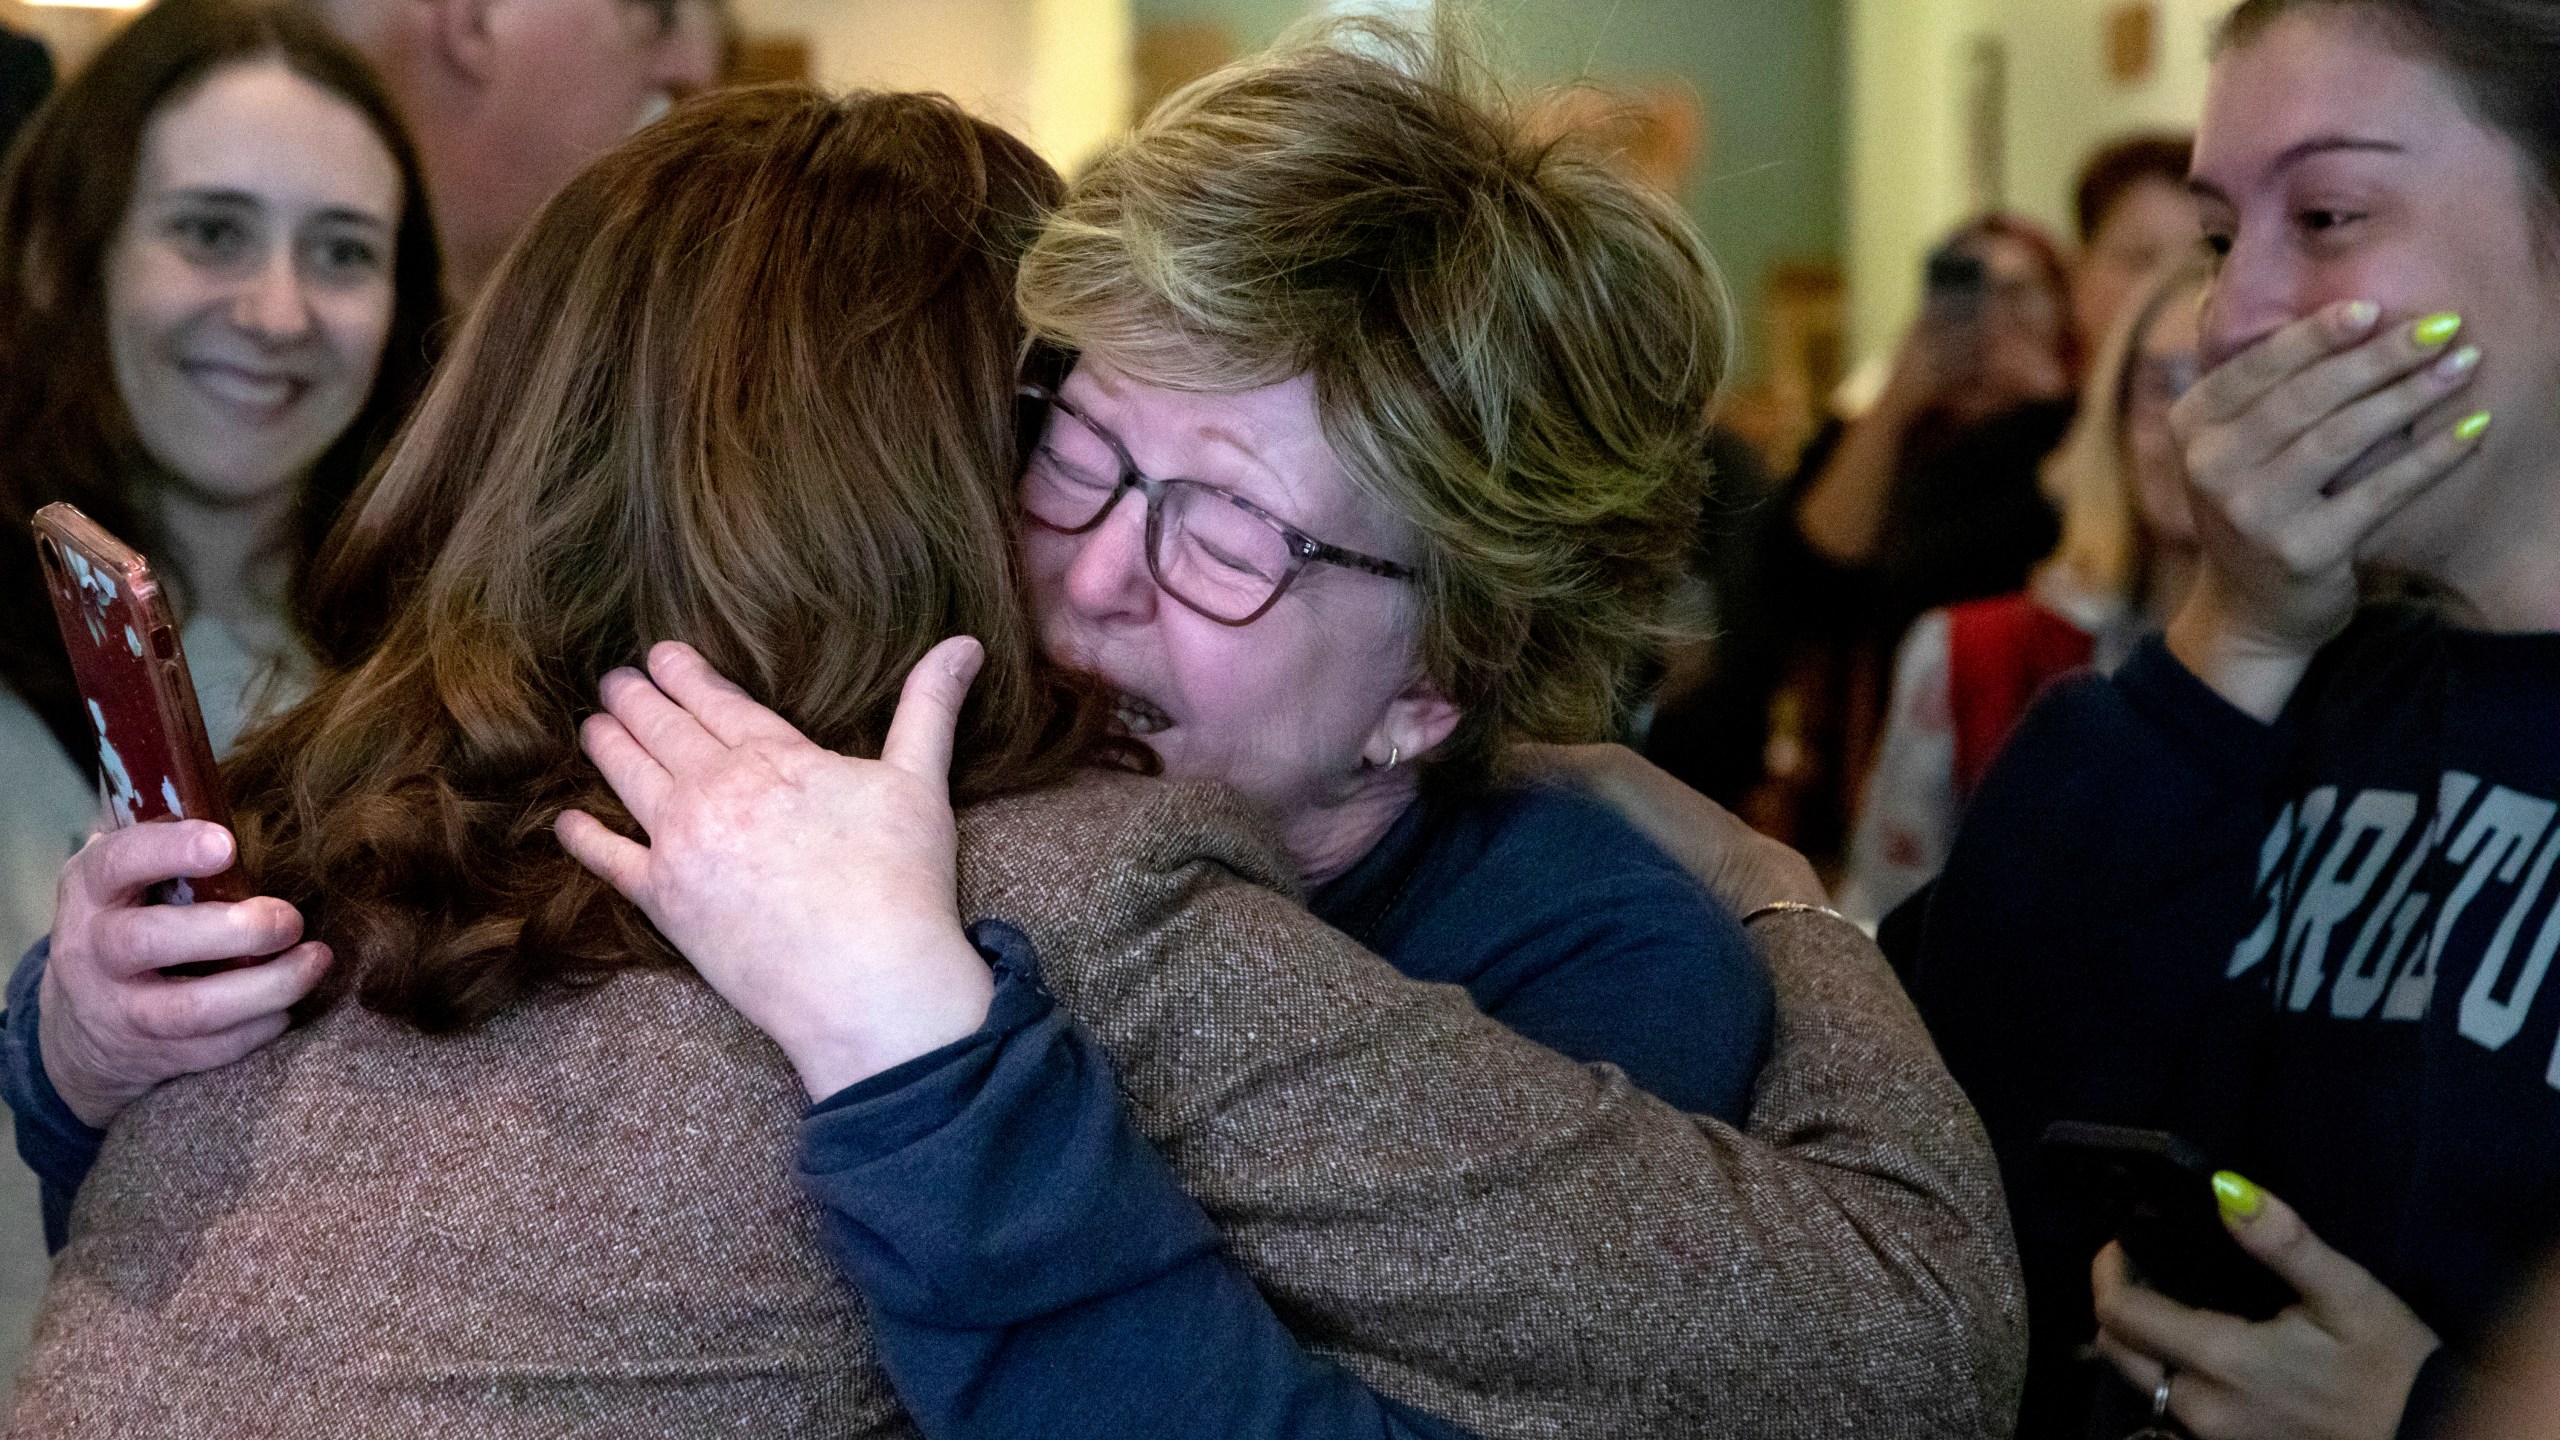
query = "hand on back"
x=817 y=892
x=2289 y=451
x=1744 y=869
x=112 y=1023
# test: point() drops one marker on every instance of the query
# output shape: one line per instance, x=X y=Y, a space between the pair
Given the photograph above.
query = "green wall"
x=1772 y=72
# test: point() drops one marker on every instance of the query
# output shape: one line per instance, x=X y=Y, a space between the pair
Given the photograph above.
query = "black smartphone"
x=2154 y=1193
x=1956 y=280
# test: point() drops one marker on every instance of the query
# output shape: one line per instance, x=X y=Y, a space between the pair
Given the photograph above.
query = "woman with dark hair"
x=218 y=293
x=2284 y=884
x=1928 y=496
x=570 y=1202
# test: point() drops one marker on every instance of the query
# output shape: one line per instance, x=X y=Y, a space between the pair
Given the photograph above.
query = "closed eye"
x=1067 y=472
x=1226 y=561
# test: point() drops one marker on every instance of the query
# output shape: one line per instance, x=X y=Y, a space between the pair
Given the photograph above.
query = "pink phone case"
x=154 y=759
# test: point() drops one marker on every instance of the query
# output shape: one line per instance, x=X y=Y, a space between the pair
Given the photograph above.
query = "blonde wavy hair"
x=2105 y=553
x=1514 y=350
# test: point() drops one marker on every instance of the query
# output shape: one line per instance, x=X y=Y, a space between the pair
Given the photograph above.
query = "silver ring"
x=2160 y=1396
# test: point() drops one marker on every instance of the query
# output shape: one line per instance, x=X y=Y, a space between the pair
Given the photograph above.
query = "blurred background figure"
x=1920 y=491
x=218 y=287
x=2135 y=217
x=509 y=98
x=1927 y=498
x=26 y=77
x=1964 y=674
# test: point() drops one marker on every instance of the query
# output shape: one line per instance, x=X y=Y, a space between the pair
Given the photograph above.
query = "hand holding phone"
x=2153 y=1192
x=137 y=994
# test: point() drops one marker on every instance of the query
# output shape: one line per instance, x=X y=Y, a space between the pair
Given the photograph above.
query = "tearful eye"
x=2326 y=223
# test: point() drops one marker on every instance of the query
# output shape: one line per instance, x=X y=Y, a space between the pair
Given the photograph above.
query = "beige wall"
x=71 y=32
x=1057 y=71
x=1906 y=171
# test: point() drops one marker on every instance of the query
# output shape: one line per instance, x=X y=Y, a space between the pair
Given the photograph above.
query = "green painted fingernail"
x=2472 y=426
x=2437 y=329
x=2240 y=1199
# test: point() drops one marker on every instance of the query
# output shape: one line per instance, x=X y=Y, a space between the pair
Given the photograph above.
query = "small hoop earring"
x=1394 y=754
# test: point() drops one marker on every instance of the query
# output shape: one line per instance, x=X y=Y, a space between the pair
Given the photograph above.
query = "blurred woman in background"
x=1966 y=673
x=2135 y=219
x=218 y=291
x=1927 y=497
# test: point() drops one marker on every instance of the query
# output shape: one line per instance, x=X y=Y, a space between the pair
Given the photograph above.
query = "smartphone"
x=1956 y=281
x=2154 y=1193
x=154 y=761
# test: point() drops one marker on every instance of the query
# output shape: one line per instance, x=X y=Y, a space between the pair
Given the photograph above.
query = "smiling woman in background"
x=217 y=284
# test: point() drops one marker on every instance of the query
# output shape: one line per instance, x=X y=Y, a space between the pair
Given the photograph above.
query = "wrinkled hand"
x=817 y=892
x=2275 y=439
x=110 y=1024
x=2336 y=1366
x=1741 y=867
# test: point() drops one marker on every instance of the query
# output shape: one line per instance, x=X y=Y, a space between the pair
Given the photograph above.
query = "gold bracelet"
x=1795 y=907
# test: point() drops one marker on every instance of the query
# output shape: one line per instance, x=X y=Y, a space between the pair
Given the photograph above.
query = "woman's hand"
x=110 y=1024
x=1741 y=867
x=2291 y=451
x=2337 y=1366
x=817 y=892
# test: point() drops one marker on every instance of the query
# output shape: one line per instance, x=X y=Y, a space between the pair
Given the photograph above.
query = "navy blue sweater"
x=2317 y=949
x=1031 y=1265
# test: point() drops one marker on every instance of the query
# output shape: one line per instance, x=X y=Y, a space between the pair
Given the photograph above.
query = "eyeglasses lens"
x=1217 y=556
x=1072 y=474
x=1210 y=553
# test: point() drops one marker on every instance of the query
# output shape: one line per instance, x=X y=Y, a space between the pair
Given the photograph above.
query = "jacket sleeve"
x=1489 y=1232
x=56 y=1144
x=2081 y=924
x=1070 y=1287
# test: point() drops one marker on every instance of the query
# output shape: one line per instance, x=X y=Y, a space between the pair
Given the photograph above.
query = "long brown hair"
x=64 y=195
x=746 y=383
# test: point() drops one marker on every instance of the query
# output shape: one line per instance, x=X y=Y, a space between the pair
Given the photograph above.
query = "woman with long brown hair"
x=749 y=382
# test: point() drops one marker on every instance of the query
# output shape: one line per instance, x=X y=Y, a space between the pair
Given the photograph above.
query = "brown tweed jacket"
x=580 y=1220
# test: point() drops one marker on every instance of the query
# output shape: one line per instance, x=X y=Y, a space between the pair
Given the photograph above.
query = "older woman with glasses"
x=1299 y=671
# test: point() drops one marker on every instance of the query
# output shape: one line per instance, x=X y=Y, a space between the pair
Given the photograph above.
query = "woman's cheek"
x=358 y=327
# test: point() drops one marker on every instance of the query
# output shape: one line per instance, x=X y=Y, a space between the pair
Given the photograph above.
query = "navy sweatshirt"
x=1031 y=1265
x=2317 y=949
